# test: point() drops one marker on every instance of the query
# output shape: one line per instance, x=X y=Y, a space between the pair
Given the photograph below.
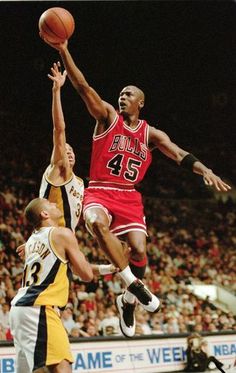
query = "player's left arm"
x=59 y=136
x=104 y=269
x=162 y=141
x=67 y=247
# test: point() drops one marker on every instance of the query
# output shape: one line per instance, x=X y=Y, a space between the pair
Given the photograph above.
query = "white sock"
x=127 y=276
x=129 y=297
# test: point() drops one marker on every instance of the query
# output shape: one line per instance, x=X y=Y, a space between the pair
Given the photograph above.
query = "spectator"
x=4 y=316
x=109 y=325
x=197 y=358
x=75 y=332
x=17 y=268
x=67 y=318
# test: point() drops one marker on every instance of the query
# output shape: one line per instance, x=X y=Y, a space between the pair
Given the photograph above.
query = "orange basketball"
x=56 y=25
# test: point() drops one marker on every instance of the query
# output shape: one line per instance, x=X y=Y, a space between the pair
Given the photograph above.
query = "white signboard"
x=143 y=355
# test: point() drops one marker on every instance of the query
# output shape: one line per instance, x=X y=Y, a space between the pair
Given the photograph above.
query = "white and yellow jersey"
x=67 y=196
x=46 y=275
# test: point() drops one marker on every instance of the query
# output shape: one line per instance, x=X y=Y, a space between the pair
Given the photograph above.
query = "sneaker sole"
x=153 y=306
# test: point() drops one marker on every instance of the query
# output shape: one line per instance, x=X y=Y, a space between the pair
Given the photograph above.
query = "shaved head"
x=40 y=212
x=131 y=101
x=33 y=211
x=137 y=90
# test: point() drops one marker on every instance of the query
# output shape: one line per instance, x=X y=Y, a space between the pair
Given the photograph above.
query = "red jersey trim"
x=140 y=123
x=146 y=136
x=110 y=185
x=112 y=125
x=128 y=228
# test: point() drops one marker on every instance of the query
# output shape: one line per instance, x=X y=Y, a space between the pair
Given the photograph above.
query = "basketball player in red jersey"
x=121 y=155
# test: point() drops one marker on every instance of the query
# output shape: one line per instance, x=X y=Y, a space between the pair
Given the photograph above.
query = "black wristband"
x=188 y=161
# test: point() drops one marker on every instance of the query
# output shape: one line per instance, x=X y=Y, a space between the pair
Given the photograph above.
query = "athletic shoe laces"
x=140 y=291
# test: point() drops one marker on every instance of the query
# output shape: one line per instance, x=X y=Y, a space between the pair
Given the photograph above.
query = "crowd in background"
x=192 y=234
x=191 y=240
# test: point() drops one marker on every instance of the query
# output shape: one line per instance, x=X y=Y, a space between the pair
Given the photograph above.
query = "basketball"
x=56 y=25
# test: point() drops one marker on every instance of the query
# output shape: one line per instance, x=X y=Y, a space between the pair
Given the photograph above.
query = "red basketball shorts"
x=124 y=208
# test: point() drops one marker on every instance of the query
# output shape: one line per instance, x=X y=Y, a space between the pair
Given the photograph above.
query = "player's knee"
x=96 y=223
x=99 y=228
x=91 y=221
x=91 y=218
x=138 y=252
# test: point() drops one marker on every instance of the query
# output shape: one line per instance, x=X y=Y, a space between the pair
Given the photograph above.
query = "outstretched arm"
x=162 y=141
x=104 y=269
x=96 y=107
x=103 y=112
x=67 y=246
x=98 y=269
x=59 y=136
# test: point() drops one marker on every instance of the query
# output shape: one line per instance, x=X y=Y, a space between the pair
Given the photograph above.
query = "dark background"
x=181 y=53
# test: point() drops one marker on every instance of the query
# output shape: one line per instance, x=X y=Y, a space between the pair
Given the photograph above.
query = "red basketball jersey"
x=120 y=155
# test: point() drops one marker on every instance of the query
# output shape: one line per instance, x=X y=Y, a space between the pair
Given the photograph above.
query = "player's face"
x=71 y=155
x=54 y=212
x=128 y=101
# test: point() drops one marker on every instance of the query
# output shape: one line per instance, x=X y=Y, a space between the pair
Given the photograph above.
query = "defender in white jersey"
x=68 y=196
x=40 y=338
x=59 y=184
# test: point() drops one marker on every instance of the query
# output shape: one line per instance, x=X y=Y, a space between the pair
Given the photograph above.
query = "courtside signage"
x=143 y=356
